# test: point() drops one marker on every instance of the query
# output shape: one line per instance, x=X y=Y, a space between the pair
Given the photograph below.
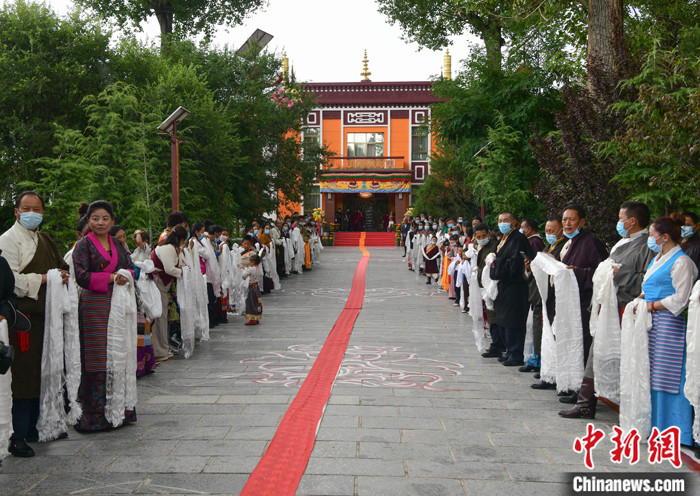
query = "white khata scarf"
x=562 y=360
x=60 y=358
x=692 y=357
x=199 y=287
x=490 y=291
x=150 y=296
x=226 y=269
x=476 y=310
x=635 y=386
x=529 y=348
x=187 y=300
x=121 y=351
x=213 y=273
x=240 y=287
x=5 y=398
x=605 y=328
x=288 y=255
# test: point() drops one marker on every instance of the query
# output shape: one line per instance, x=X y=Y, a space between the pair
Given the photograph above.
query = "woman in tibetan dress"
x=97 y=257
x=666 y=289
x=430 y=256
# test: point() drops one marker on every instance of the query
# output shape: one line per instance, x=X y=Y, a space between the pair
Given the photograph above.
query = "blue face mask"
x=302 y=223
x=651 y=243
x=450 y=226
x=200 y=237
x=686 y=231
x=217 y=239
x=551 y=239
x=267 y=231
x=285 y=228
x=420 y=228
x=460 y=221
x=30 y=220
x=621 y=229
x=522 y=231
x=255 y=232
x=504 y=227
x=482 y=242
x=434 y=226
x=573 y=234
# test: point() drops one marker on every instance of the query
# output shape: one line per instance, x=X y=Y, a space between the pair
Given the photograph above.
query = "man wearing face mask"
x=512 y=303
x=691 y=237
x=278 y=241
x=30 y=254
x=582 y=253
x=485 y=245
x=529 y=228
x=631 y=257
x=554 y=234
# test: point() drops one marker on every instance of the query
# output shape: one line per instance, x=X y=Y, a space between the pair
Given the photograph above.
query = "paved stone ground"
x=415 y=409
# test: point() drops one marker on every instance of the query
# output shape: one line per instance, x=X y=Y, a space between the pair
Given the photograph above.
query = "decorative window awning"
x=335 y=181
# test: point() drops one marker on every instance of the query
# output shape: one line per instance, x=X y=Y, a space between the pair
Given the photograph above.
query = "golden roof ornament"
x=285 y=67
x=447 y=71
x=365 y=72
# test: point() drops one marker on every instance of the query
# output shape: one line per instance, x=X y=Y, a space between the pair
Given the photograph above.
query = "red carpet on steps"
x=371 y=239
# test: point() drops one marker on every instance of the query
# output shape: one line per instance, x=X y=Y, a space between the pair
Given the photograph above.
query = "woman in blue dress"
x=666 y=289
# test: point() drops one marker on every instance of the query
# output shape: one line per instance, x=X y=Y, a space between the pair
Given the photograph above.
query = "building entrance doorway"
x=373 y=209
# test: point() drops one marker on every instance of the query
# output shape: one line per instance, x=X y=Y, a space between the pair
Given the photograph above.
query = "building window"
x=311 y=202
x=419 y=143
x=365 y=144
x=312 y=135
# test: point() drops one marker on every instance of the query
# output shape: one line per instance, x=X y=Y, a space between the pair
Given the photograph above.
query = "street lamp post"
x=169 y=126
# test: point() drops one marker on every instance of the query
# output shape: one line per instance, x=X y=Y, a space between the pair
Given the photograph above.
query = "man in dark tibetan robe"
x=512 y=303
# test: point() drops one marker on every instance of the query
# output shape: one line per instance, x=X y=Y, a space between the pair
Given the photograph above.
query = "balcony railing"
x=366 y=163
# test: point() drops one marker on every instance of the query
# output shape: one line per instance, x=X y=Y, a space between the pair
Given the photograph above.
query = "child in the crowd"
x=253 y=303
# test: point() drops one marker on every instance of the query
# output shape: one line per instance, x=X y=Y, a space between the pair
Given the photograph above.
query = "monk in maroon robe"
x=582 y=254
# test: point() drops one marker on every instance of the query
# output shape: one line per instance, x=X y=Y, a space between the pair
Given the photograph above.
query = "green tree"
x=47 y=66
x=184 y=16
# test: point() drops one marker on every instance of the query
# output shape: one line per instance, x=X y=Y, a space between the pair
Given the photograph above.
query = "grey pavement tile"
x=102 y=484
x=208 y=409
x=335 y=449
x=182 y=421
x=159 y=464
x=181 y=398
x=425 y=412
x=540 y=473
x=406 y=451
x=456 y=470
x=239 y=420
x=493 y=425
x=394 y=401
x=194 y=433
x=348 y=434
x=220 y=448
x=11 y=484
x=60 y=447
x=343 y=399
x=251 y=433
x=340 y=421
x=537 y=439
x=61 y=464
x=369 y=422
x=355 y=466
x=193 y=484
x=376 y=411
x=230 y=464
x=326 y=485
x=500 y=455
x=470 y=438
x=130 y=447
x=395 y=486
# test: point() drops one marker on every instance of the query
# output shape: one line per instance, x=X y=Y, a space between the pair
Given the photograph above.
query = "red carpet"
x=385 y=239
x=279 y=471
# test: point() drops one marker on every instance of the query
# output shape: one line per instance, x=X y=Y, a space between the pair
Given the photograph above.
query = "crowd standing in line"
x=103 y=315
x=572 y=310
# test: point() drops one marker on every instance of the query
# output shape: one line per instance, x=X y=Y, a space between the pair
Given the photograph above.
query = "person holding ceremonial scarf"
x=30 y=254
x=512 y=303
x=666 y=290
x=97 y=258
x=430 y=256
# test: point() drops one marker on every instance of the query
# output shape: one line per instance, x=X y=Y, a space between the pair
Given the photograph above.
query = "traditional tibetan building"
x=381 y=140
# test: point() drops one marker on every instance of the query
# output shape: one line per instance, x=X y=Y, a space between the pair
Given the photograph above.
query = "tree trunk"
x=491 y=34
x=604 y=33
x=164 y=14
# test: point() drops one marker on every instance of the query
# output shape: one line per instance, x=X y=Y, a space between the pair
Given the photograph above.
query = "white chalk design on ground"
x=371 y=295
x=365 y=366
